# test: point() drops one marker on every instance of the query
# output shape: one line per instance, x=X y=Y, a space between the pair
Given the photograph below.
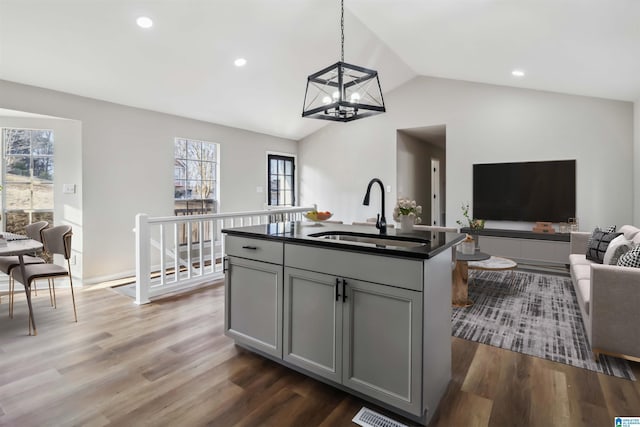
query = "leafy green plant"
x=472 y=223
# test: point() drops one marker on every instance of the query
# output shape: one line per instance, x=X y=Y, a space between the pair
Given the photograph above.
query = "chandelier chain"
x=342 y=30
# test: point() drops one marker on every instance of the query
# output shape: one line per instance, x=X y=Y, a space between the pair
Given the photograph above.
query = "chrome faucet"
x=381 y=221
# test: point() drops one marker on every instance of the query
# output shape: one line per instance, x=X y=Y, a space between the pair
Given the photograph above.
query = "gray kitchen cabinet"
x=382 y=343
x=313 y=322
x=364 y=335
x=253 y=295
x=372 y=320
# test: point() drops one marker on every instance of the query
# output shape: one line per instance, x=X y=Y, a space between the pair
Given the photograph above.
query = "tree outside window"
x=27 y=178
x=195 y=177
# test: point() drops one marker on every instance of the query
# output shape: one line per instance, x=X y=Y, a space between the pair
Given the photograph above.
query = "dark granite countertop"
x=300 y=233
x=520 y=234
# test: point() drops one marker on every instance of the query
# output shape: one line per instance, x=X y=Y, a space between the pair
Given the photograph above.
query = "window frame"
x=33 y=213
x=294 y=178
x=216 y=176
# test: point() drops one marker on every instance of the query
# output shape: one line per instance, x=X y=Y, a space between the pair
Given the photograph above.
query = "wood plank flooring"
x=169 y=364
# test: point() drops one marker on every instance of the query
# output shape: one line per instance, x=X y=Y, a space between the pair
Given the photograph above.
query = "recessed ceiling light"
x=144 y=22
x=517 y=73
x=240 y=62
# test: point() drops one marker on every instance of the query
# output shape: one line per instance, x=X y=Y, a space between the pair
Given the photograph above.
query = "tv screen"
x=527 y=191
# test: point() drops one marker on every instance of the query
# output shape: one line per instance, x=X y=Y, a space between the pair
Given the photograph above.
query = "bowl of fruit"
x=318 y=216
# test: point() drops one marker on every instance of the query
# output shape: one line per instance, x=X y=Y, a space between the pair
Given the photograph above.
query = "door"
x=253 y=290
x=313 y=322
x=382 y=343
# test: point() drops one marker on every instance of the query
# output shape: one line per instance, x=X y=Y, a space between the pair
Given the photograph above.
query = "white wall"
x=67 y=170
x=127 y=168
x=485 y=123
x=636 y=161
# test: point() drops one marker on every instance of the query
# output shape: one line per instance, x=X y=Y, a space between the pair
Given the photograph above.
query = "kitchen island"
x=368 y=314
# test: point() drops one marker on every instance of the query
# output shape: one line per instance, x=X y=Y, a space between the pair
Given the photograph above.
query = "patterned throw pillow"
x=631 y=258
x=598 y=245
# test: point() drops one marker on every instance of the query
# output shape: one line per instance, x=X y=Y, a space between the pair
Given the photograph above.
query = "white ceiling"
x=183 y=65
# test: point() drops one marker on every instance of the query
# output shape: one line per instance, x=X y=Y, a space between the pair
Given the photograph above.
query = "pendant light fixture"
x=343 y=92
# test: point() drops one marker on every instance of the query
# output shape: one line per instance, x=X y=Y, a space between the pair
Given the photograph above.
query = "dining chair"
x=8 y=263
x=56 y=240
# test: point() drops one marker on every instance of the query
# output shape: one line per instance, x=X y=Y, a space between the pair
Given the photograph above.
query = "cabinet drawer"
x=256 y=249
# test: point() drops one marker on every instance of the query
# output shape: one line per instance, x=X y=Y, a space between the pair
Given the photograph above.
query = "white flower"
x=408 y=208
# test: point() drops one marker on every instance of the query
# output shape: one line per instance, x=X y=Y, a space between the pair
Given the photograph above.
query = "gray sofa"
x=609 y=299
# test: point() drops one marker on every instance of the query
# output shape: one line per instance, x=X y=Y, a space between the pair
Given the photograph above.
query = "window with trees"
x=27 y=177
x=195 y=177
x=281 y=179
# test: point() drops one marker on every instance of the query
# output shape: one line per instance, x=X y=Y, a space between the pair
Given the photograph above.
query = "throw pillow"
x=598 y=246
x=631 y=258
x=609 y=229
x=618 y=247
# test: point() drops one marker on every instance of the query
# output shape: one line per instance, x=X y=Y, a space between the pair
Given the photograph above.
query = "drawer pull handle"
x=344 y=290
x=337 y=289
x=253 y=248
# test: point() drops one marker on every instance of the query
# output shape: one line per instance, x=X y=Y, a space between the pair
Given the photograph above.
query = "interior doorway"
x=418 y=152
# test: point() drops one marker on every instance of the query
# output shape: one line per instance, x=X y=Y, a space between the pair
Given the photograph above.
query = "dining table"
x=19 y=246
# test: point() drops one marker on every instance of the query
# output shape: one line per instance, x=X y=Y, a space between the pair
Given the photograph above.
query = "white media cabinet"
x=525 y=246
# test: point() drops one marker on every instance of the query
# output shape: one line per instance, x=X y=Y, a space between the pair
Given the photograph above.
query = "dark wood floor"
x=169 y=363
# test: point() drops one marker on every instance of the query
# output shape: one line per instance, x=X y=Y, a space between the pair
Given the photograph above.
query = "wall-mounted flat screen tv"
x=526 y=191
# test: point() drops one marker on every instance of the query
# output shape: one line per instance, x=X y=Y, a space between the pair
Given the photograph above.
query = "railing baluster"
x=201 y=247
x=163 y=268
x=176 y=253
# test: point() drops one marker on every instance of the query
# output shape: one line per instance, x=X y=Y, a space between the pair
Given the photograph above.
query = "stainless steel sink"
x=372 y=239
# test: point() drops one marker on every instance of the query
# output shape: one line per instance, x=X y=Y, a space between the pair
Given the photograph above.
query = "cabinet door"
x=382 y=343
x=253 y=292
x=313 y=322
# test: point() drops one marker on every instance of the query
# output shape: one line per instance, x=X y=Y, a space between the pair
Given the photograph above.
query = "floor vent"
x=368 y=418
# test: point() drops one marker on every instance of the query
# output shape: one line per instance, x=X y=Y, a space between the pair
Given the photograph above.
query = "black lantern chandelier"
x=343 y=92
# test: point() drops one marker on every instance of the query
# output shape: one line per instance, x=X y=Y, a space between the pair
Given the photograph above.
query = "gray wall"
x=126 y=167
x=413 y=166
x=484 y=123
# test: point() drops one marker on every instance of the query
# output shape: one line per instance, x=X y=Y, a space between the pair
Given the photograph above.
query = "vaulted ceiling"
x=183 y=65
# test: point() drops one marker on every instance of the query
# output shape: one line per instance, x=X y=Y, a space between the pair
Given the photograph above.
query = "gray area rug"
x=530 y=313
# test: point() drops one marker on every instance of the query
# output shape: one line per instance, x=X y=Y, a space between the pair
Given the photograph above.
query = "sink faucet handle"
x=378 y=222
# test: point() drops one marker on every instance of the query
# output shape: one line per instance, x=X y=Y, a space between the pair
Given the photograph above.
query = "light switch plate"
x=69 y=188
x=259 y=190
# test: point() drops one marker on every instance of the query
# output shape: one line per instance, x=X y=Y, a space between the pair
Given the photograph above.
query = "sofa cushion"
x=631 y=258
x=578 y=259
x=598 y=245
x=629 y=231
x=584 y=293
x=618 y=246
x=581 y=271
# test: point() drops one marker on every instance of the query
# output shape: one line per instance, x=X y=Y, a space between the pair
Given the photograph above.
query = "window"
x=280 y=176
x=27 y=177
x=195 y=177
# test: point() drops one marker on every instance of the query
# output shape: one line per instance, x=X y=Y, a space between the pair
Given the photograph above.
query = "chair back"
x=57 y=240
x=34 y=231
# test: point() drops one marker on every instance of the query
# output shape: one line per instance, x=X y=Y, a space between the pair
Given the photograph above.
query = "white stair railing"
x=176 y=253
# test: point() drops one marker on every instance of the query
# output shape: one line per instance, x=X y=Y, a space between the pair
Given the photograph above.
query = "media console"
x=525 y=246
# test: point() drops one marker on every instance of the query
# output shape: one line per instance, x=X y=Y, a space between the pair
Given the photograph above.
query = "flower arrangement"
x=408 y=208
x=474 y=224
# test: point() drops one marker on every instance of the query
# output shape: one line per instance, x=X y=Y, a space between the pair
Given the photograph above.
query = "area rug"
x=530 y=313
